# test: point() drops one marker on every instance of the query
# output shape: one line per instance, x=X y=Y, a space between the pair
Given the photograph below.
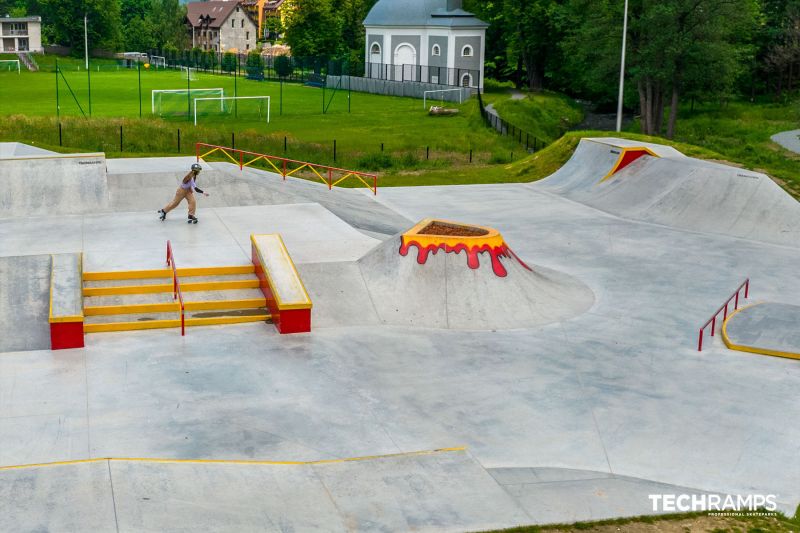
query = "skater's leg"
x=192 y=203
x=180 y=194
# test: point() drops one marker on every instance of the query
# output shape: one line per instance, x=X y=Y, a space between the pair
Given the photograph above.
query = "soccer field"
x=356 y=120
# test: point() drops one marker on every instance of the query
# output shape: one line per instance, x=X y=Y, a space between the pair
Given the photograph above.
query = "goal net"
x=10 y=65
x=189 y=72
x=442 y=95
x=177 y=102
x=158 y=61
x=255 y=108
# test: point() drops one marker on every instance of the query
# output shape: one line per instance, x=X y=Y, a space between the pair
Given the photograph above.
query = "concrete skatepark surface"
x=767 y=327
x=573 y=420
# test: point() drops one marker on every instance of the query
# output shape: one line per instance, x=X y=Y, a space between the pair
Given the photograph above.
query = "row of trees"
x=677 y=49
x=112 y=24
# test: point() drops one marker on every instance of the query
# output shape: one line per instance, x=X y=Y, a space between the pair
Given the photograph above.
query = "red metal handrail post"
x=330 y=179
x=241 y=160
x=284 y=170
x=747 y=288
x=375 y=184
x=713 y=323
x=700 y=342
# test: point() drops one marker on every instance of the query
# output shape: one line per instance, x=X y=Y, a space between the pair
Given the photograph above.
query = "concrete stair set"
x=135 y=300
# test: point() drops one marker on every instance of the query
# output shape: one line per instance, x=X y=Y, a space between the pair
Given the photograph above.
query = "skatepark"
x=557 y=380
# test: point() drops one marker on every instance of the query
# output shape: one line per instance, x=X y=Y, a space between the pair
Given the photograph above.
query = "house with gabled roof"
x=221 y=26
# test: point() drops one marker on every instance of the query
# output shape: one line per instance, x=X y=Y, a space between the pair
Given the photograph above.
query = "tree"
x=283 y=66
x=673 y=46
x=168 y=20
x=313 y=29
x=139 y=35
x=64 y=22
x=229 y=62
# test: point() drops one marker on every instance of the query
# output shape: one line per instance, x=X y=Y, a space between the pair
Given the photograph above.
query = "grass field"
x=677 y=523
x=390 y=135
x=359 y=125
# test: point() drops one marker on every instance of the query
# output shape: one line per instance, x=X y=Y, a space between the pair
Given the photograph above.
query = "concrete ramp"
x=24 y=303
x=596 y=159
x=20 y=149
x=445 y=293
x=671 y=189
x=32 y=185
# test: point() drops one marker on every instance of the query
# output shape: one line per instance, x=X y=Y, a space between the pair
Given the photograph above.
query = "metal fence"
x=503 y=127
x=455 y=77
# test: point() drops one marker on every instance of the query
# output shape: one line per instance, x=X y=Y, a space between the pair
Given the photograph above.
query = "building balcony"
x=14 y=33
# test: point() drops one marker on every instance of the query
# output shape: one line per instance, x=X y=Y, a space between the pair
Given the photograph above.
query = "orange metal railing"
x=331 y=176
x=176 y=287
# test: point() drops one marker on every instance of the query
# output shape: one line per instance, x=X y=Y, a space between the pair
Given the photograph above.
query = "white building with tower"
x=429 y=41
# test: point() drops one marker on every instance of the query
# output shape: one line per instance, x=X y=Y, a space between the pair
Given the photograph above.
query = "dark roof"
x=420 y=13
x=213 y=13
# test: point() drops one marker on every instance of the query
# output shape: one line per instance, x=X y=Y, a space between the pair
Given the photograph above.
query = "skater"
x=186 y=190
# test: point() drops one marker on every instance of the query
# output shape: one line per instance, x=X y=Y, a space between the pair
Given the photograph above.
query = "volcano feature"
x=430 y=236
x=437 y=288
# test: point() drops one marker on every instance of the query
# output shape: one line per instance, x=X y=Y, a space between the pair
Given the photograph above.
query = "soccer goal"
x=189 y=72
x=10 y=65
x=158 y=61
x=174 y=102
x=244 y=107
x=442 y=93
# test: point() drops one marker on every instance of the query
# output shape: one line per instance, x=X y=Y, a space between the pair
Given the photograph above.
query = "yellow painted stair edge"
x=168 y=307
x=173 y=323
x=167 y=273
x=167 y=287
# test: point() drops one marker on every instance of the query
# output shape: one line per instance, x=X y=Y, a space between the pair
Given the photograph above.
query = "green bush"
x=378 y=161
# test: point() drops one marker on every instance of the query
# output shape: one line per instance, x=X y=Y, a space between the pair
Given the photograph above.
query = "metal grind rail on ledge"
x=724 y=309
x=331 y=176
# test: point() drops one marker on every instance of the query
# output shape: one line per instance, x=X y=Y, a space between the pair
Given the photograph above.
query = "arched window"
x=466 y=80
x=436 y=50
x=376 y=49
x=466 y=51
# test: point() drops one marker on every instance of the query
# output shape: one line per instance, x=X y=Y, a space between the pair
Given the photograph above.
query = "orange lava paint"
x=491 y=243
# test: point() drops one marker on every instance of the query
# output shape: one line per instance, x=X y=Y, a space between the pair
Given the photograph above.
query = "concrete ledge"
x=66 y=301
x=765 y=329
x=287 y=298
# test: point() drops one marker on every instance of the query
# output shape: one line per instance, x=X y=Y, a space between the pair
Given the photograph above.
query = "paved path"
x=789 y=140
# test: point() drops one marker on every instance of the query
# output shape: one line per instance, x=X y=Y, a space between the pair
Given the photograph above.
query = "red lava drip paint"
x=495 y=253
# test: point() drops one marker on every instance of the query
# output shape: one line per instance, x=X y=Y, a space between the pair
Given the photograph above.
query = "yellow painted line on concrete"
x=751 y=349
x=209 y=305
x=254 y=462
x=621 y=157
x=108 y=327
x=167 y=287
x=167 y=273
x=131 y=309
x=131 y=326
x=127 y=289
x=220 y=320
